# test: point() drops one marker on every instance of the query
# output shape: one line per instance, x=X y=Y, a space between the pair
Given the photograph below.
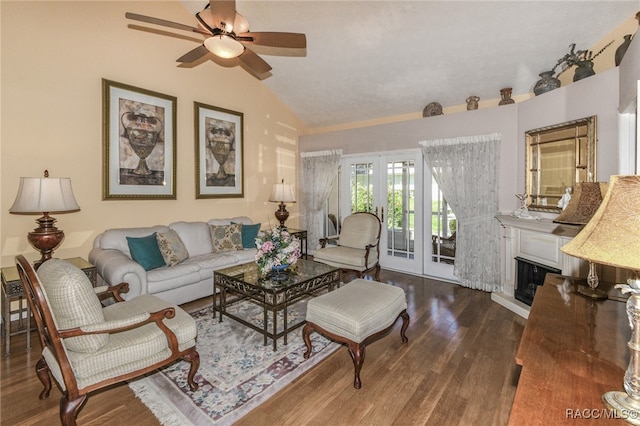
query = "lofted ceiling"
x=367 y=60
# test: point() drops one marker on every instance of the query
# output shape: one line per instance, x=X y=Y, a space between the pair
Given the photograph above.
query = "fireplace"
x=530 y=276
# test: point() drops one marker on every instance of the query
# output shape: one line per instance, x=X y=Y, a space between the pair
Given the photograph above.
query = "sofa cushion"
x=249 y=234
x=226 y=238
x=195 y=236
x=73 y=303
x=145 y=251
x=172 y=248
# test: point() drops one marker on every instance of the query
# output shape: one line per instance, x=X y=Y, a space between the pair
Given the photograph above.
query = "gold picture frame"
x=219 y=140
x=139 y=143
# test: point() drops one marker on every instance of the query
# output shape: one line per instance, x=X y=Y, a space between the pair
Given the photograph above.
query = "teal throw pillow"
x=145 y=251
x=249 y=234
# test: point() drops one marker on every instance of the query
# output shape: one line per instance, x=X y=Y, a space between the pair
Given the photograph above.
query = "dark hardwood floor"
x=457 y=369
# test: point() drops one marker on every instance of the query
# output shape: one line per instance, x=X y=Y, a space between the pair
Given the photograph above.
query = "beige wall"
x=54 y=56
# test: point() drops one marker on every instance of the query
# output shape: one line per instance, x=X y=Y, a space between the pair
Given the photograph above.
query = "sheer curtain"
x=319 y=170
x=466 y=169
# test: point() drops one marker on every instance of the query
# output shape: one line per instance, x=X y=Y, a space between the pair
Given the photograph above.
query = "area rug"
x=237 y=372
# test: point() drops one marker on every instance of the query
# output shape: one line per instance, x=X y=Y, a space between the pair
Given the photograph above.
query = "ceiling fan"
x=228 y=36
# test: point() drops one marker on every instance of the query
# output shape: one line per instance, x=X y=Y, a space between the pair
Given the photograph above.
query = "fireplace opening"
x=530 y=276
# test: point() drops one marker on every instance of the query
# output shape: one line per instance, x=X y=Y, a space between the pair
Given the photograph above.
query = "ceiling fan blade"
x=193 y=55
x=254 y=62
x=274 y=39
x=223 y=12
x=165 y=23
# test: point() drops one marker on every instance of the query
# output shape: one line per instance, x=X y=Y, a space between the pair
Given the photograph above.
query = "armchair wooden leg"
x=69 y=409
x=377 y=274
x=42 y=370
x=193 y=357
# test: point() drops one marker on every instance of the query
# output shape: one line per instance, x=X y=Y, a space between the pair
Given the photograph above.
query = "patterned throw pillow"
x=226 y=238
x=171 y=247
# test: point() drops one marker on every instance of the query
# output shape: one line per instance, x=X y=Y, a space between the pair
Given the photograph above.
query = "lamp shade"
x=586 y=199
x=224 y=46
x=612 y=236
x=282 y=193
x=39 y=195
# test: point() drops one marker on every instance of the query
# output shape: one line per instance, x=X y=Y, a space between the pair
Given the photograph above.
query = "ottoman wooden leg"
x=357 y=351
x=405 y=325
x=306 y=331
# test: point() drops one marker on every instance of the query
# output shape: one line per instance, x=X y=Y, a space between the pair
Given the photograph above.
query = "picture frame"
x=139 y=143
x=219 y=140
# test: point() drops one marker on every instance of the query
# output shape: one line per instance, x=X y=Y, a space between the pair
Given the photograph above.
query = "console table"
x=12 y=289
x=572 y=351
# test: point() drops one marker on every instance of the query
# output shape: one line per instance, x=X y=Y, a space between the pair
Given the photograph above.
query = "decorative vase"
x=277 y=273
x=546 y=83
x=431 y=110
x=622 y=49
x=505 y=94
x=472 y=102
x=584 y=69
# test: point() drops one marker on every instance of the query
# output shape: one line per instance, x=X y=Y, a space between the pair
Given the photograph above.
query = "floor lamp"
x=612 y=237
x=44 y=196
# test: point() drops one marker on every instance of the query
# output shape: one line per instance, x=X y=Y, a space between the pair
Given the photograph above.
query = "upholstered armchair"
x=357 y=246
x=86 y=346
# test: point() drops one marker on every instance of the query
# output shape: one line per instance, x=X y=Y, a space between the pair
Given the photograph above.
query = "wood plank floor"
x=457 y=369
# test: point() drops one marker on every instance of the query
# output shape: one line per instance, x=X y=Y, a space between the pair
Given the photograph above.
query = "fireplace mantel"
x=538 y=240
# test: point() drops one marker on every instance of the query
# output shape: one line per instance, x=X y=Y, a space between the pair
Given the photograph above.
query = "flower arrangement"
x=276 y=247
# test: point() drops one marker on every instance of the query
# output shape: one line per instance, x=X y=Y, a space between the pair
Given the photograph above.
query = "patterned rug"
x=237 y=372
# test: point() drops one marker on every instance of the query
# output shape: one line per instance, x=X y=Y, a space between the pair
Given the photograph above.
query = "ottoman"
x=356 y=314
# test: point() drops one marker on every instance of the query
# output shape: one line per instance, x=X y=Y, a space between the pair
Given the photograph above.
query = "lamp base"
x=45 y=238
x=592 y=293
x=282 y=215
x=625 y=407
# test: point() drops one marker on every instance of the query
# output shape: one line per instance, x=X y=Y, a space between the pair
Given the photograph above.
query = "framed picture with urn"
x=219 y=152
x=139 y=143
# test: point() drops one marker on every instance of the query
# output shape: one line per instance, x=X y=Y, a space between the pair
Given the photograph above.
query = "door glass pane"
x=443 y=228
x=361 y=187
x=400 y=214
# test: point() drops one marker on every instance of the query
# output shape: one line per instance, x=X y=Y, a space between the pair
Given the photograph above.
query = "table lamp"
x=612 y=237
x=282 y=193
x=43 y=196
x=586 y=199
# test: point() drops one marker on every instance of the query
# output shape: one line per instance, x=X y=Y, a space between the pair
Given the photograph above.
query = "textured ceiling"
x=372 y=59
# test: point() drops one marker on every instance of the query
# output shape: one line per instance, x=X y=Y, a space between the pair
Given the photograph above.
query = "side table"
x=12 y=289
x=302 y=235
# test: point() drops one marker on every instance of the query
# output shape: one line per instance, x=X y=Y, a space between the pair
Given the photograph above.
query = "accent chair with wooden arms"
x=357 y=246
x=86 y=346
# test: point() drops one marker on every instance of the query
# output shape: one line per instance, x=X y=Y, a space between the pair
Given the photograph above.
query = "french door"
x=385 y=185
x=418 y=226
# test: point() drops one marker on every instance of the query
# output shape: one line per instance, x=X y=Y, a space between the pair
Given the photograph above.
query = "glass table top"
x=303 y=270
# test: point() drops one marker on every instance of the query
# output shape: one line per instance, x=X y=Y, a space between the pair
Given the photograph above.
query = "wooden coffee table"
x=243 y=281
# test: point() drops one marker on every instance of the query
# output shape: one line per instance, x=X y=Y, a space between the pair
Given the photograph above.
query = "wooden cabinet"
x=572 y=351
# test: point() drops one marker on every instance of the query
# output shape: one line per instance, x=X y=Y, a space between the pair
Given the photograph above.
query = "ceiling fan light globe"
x=224 y=46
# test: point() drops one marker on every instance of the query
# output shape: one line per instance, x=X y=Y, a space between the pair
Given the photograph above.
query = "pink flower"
x=267 y=246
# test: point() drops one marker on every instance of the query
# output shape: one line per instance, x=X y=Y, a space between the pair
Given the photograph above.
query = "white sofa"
x=188 y=280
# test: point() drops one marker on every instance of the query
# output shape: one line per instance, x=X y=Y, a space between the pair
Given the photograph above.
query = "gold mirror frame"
x=557 y=157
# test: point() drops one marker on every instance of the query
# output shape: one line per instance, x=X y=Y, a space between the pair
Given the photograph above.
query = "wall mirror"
x=557 y=157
